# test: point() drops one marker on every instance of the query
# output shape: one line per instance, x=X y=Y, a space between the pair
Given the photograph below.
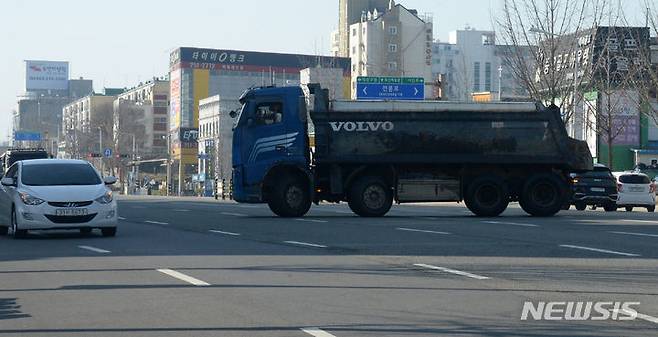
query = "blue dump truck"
x=293 y=146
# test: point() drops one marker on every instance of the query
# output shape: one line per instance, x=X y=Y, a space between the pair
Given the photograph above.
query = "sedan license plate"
x=597 y=189
x=71 y=211
x=636 y=189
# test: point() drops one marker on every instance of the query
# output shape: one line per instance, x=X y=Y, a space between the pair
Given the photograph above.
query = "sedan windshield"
x=59 y=175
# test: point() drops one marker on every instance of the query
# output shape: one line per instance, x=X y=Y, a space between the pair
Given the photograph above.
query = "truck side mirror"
x=233 y=114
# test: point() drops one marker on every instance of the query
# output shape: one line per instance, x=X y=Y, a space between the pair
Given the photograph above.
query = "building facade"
x=394 y=43
x=142 y=112
x=87 y=127
x=472 y=65
x=197 y=73
x=349 y=13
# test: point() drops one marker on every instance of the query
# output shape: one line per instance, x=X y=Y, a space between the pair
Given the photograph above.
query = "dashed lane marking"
x=317 y=332
x=511 y=223
x=156 y=222
x=223 y=232
x=305 y=244
x=636 y=234
x=233 y=214
x=183 y=277
x=451 y=271
x=599 y=250
x=121 y=218
x=94 y=249
x=312 y=220
x=421 y=231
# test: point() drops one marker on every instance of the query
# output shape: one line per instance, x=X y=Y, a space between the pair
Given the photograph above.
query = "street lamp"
x=100 y=148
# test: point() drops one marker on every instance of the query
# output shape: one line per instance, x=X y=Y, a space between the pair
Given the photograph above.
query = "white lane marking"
x=233 y=214
x=638 y=315
x=599 y=250
x=640 y=221
x=121 y=218
x=342 y=212
x=94 y=249
x=312 y=220
x=317 y=332
x=156 y=222
x=223 y=232
x=511 y=223
x=636 y=234
x=421 y=231
x=451 y=271
x=181 y=210
x=183 y=277
x=314 y=245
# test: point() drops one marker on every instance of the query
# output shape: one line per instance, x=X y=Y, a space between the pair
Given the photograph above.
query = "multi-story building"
x=472 y=63
x=215 y=141
x=142 y=113
x=395 y=43
x=196 y=74
x=349 y=13
x=47 y=90
x=87 y=126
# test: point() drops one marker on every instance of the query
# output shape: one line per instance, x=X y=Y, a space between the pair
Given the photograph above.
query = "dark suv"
x=597 y=188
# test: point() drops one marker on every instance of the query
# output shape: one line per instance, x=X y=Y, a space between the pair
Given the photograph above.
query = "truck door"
x=265 y=138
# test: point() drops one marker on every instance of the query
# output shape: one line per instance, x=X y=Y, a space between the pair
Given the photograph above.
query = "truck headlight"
x=105 y=198
x=30 y=200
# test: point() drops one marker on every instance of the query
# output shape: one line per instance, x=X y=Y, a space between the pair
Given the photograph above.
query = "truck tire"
x=289 y=197
x=581 y=206
x=487 y=196
x=543 y=195
x=610 y=207
x=370 y=196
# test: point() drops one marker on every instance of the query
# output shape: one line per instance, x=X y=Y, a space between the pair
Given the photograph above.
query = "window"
x=269 y=113
x=634 y=179
x=392 y=48
x=353 y=50
x=59 y=175
x=476 y=77
x=487 y=76
x=353 y=31
x=392 y=65
x=393 y=30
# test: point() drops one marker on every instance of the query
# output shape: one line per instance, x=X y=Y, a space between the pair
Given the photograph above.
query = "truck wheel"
x=370 y=197
x=581 y=206
x=543 y=195
x=289 y=198
x=4 y=230
x=651 y=209
x=487 y=196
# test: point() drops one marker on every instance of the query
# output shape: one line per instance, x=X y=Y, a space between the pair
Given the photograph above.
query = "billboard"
x=46 y=75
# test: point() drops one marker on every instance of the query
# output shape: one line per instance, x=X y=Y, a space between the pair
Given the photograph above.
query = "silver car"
x=45 y=194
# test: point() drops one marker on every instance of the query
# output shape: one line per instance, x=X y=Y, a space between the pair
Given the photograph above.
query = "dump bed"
x=433 y=132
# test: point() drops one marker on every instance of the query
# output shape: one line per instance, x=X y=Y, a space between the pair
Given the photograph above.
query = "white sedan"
x=636 y=190
x=47 y=194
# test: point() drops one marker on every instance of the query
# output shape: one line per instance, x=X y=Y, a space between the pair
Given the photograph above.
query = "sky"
x=120 y=43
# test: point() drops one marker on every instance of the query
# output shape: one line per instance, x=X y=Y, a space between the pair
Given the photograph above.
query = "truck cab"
x=270 y=143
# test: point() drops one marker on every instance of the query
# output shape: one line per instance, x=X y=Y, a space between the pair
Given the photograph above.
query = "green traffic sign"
x=390 y=80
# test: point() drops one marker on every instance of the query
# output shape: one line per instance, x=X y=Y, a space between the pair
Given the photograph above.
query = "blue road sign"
x=107 y=152
x=396 y=88
x=27 y=136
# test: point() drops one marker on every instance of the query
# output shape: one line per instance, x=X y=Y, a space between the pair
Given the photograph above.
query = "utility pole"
x=100 y=149
x=500 y=82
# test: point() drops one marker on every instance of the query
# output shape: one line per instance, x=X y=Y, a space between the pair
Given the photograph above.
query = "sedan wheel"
x=18 y=233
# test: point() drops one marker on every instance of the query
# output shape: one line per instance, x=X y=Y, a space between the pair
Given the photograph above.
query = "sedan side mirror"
x=7 y=181
x=109 y=180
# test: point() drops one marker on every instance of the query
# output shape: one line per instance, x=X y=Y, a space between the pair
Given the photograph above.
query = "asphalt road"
x=199 y=267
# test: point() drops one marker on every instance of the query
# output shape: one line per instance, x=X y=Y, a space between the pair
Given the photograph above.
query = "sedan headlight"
x=30 y=200
x=105 y=198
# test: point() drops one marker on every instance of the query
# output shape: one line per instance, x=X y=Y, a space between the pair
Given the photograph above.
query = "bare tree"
x=547 y=57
